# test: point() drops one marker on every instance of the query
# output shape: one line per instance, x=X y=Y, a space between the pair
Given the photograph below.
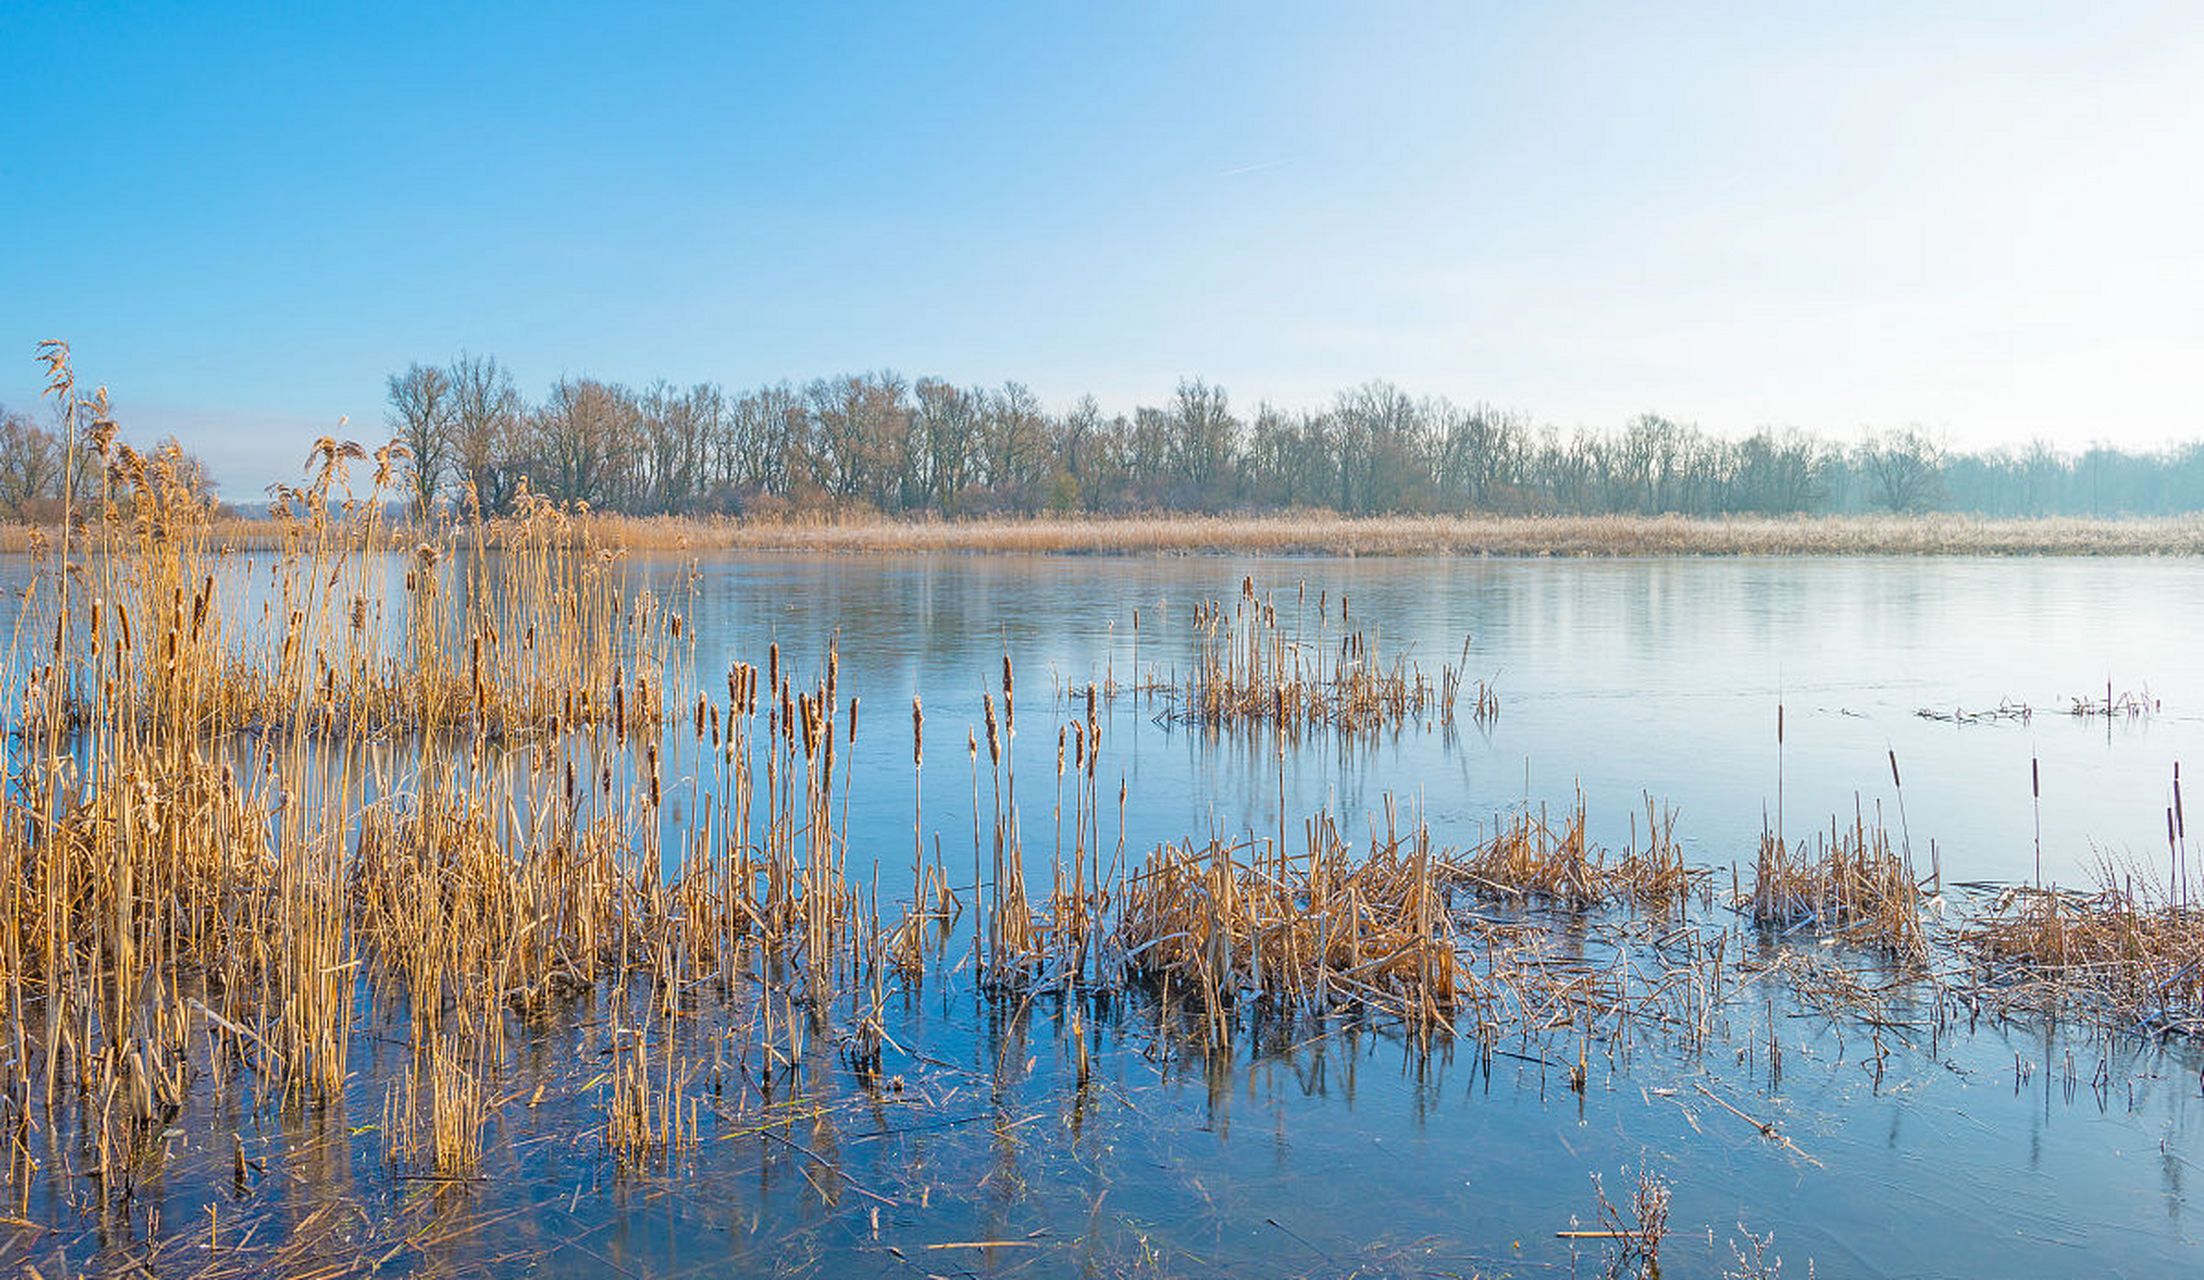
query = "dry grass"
x=1213 y=923
x=1532 y=859
x=1326 y=533
x=1848 y=882
x=1250 y=667
x=2128 y=955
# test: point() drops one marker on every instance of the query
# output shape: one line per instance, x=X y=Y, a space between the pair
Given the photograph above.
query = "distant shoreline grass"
x=1324 y=533
x=1510 y=536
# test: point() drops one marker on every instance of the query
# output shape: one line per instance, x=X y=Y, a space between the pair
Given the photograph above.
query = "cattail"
x=1010 y=709
x=994 y=739
x=918 y=734
x=853 y=721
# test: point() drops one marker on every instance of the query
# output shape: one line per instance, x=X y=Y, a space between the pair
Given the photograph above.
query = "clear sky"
x=1985 y=219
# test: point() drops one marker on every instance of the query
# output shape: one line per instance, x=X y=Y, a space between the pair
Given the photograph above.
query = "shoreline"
x=1326 y=534
x=1527 y=537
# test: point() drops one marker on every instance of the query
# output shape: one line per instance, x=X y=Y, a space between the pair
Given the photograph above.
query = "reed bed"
x=2126 y=955
x=1317 y=928
x=1252 y=667
x=1848 y=882
x=1531 y=858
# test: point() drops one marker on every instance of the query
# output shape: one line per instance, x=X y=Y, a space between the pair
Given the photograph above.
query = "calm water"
x=1321 y=1149
x=1622 y=677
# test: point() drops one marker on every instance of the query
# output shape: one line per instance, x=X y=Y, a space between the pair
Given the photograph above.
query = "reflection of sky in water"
x=1622 y=676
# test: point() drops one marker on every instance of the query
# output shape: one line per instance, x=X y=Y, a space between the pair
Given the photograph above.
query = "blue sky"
x=1983 y=219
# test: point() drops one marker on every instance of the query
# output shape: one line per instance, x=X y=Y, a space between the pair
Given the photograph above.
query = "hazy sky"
x=1986 y=219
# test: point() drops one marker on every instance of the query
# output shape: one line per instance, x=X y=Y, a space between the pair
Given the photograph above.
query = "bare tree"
x=944 y=422
x=484 y=441
x=1905 y=468
x=1204 y=441
x=585 y=433
x=420 y=415
x=30 y=467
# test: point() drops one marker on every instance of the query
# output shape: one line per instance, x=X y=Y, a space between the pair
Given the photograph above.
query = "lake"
x=1877 y=1124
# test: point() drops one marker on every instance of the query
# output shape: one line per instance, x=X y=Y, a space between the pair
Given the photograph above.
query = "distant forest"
x=877 y=442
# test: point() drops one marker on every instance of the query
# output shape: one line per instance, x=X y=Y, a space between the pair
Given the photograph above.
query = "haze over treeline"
x=880 y=442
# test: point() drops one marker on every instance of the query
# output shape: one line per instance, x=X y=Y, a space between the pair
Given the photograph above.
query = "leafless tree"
x=420 y=417
x=30 y=467
x=484 y=441
x=585 y=433
x=1904 y=468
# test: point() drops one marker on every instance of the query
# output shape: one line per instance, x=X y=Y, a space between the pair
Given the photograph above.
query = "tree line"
x=880 y=442
x=37 y=471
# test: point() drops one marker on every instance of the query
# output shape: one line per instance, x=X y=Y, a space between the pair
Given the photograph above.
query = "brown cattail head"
x=853 y=721
x=918 y=734
x=994 y=736
x=1010 y=694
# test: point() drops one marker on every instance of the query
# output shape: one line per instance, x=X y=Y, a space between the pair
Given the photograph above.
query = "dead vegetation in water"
x=1847 y=882
x=1632 y=1236
x=1317 y=928
x=2127 y=704
x=1532 y=859
x=1252 y=665
x=2129 y=954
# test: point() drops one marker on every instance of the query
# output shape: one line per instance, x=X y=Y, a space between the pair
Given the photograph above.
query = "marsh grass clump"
x=1533 y=859
x=1848 y=882
x=1320 y=927
x=1252 y=667
x=2129 y=953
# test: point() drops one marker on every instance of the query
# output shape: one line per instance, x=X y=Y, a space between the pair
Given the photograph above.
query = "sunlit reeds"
x=1254 y=665
x=1847 y=881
